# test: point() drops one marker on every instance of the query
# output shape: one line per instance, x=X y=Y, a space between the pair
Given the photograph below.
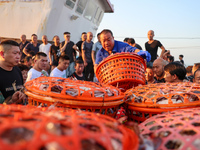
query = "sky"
x=176 y=24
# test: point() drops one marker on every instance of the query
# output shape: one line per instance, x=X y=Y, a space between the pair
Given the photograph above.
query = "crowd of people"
x=25 y=61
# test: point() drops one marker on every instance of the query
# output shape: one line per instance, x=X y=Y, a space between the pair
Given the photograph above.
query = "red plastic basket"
x=122 y=70
x=34 y=128
x=68 y=93
x=148 y=100
x=174 y=130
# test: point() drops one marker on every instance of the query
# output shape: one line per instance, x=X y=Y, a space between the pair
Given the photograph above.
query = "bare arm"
x=50 y=57
x=95 y=68
x=163 y=51
x=64 y=46
x=93 y=56
x=25 y=51
x=76 y=49
x=83 y=55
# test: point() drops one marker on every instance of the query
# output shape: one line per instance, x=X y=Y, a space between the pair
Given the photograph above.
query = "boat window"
x=81 y=6
x=100 y=17
x=70 y=3
x=97 y=15
x=90 y=11
x=7 y=0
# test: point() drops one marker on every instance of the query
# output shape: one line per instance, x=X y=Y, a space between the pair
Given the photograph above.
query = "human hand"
x=85 y=63
x=18 y=97
x=66 y=42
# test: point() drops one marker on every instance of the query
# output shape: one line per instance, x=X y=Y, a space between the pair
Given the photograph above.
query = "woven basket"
x=148 y=100
x=28 y=127
x=89 y=96
x=174 y=130
x=122 y=70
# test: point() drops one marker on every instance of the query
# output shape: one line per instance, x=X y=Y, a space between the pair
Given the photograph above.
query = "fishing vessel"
x=51 y=17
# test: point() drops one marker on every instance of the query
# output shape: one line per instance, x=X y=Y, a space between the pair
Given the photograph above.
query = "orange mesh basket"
x=64 y=92
x=148 y=100
x=174 y=130
x=28 y=127
x=122 y=70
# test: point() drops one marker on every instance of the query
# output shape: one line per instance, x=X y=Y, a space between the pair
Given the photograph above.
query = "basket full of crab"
x=61 y=129
x=62 y=92
x=148 y=100
x=122 y=70
x=174 y=130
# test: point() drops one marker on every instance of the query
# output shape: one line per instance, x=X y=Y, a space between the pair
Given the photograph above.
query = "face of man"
x=64 y=64
x=44 y=39
x=12 y=56
x=149 y=74
x=168 y=77
x=34 y=39
x=79 y=68
x=67 y=37
x=197 y=77
x=150 y=35
x=107 y=41
x=89 y=36
x=41 y=63
x=56 y=40
x=23 y=38
x=84 y=37
x=158 y=68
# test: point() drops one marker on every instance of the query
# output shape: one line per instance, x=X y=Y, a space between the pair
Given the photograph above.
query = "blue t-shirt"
x=31 y=47
x=118 y=48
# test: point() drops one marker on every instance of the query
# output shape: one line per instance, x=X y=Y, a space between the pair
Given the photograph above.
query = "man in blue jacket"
x=111 y=46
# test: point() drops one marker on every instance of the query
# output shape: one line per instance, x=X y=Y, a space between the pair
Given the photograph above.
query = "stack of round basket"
x=148 y=100
x=62 y=92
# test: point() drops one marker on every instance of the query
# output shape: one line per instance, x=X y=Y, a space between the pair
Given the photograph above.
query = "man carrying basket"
x=111 y=46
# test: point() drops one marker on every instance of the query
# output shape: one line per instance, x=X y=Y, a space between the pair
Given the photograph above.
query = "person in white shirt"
x=60 y=70
x=45 y=48
x=40 y=64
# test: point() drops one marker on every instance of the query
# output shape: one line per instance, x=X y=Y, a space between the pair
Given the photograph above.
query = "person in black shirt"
x=152 y=47
x=22 y=44
x=67 y=47
x=79 y=67
x=55 y=52
x=33 y=46
x=131 y=42
x=78 y=45
x=11 y=80
x=181 y=59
